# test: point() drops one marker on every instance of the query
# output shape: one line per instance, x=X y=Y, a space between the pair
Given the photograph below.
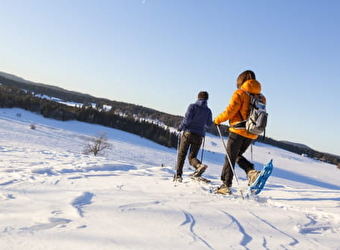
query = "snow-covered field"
x=54 y=197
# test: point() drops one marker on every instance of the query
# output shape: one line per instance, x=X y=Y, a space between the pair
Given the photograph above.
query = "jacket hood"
x=252 y=86
x=202 y=102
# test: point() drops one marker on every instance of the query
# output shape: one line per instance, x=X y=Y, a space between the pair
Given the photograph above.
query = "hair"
x=245 y=76
x=203 y=95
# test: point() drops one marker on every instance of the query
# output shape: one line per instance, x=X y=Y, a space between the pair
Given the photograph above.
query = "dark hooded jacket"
x=197 y=118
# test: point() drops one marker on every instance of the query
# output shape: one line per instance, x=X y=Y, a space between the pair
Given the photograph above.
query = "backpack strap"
x=254 y=95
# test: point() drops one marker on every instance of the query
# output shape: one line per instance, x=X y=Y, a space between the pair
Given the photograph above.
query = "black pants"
x=236 y=146
x=192 y=141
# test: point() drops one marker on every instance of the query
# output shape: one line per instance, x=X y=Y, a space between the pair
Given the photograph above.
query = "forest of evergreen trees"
x=124 y=116
x=11 y=97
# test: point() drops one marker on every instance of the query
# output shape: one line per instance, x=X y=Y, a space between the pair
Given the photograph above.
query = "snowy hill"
x=54 y=197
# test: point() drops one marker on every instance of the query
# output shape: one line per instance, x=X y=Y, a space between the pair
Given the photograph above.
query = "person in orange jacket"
x=239 y=138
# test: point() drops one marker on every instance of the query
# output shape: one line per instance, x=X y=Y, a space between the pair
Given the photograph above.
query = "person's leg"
x=196 y=163
x=195 y=145
x=241 y=160
x=247 y=166
x=182 y=152
x=233 y=147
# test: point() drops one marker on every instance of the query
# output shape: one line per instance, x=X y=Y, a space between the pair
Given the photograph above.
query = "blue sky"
x=161 y=53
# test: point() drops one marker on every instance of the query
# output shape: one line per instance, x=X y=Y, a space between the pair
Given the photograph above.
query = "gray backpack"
x=257 y=120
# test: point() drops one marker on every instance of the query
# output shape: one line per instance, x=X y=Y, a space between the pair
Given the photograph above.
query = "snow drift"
x=54 y=197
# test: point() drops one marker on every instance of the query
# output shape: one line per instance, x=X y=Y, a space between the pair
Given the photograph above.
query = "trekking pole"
x=202 y=150
x=231 y=165
x=179 y=136
x=178 y=140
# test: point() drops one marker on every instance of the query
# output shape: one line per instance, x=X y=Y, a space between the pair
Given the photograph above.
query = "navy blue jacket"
x=197 y=118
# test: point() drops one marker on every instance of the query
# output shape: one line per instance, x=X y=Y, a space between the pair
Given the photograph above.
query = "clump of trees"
x=97 y=145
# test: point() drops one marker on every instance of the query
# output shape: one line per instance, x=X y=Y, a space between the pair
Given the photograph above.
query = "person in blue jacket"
x=197 y=118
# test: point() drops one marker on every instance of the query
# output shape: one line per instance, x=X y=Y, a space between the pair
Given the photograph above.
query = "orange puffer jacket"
x=238 y=108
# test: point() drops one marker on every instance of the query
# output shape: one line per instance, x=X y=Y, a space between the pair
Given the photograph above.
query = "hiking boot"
x=199 y=170
x=223 y=189
x=252 y=176
x=178 y=178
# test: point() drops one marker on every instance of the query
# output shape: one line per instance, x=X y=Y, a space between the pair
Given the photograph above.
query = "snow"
x=54 y=197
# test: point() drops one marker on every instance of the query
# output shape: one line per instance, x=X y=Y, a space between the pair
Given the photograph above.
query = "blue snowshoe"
x=257 y=186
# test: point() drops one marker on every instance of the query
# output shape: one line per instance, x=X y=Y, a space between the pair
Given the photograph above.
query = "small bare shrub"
x=97 y=145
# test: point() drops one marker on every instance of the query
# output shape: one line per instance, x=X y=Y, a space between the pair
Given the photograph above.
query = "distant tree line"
x=85 y=99
x=23 y=95
x=11 y=97
x=301 y=150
